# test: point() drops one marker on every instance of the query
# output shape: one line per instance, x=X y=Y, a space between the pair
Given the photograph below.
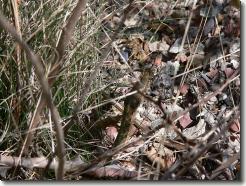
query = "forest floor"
x=133 y=90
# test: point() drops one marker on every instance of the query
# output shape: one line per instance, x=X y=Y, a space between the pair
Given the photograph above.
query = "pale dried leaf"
x=132 y=21
x=159 y=154
x=233 y=146
x=181 y=57
x=195 y=131
x=159 y=46
x=172 y=68
x=176 y=47
x=171 y=108
x=235 y=63
x=111 y=132
x=209 y=118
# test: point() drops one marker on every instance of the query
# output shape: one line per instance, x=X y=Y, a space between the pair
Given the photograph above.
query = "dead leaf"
x=111 y=132
x=228 y=72
x=217 y=31
x=235 y=48
x=138 y=52
x=237 y=82
x=233 y=146
x=158 y=61
x=153 y=46
x=232 y=27
x=197 y=59
x=133 y=19
x=235 y=63
x=172 y=68
x=146 y=48
x=209 y=118
x=172 y=110
x=185 y=120
x=202 y=85
x=235 y=126
x=181 y=57
x=184 y=89
x=158 y=46
x=159 y=154
x=128 y=165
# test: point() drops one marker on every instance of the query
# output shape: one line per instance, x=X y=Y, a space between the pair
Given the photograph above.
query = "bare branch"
x=111 y=171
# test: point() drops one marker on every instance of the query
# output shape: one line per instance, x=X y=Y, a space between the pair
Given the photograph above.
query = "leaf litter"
x=161 y=49
x=183 y=70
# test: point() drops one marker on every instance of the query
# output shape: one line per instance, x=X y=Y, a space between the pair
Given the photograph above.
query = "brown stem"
x=17 y=100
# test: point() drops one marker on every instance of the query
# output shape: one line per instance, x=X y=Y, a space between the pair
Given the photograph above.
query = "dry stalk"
x=17 y=105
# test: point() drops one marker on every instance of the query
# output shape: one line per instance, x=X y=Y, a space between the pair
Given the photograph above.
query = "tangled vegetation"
x=113 y=89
